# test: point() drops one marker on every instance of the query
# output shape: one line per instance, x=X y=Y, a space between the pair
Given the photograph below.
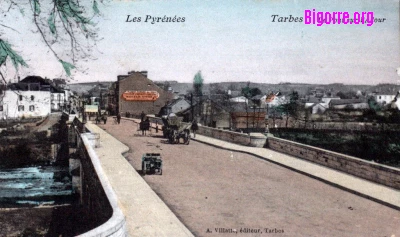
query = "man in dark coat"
x=195 y=127
x=105 y=118
x=118 y=118
x=146 y=125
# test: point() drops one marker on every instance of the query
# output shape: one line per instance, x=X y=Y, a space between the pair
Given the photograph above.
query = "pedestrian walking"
x=118 y=118
x=146 y=125
x=141 y=127
x=97 y=119
x=104 y=118
x=195 y=127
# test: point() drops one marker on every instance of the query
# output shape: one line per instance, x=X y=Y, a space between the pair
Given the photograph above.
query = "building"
x=384 y=99
x=137 y=93
x=59 y=96
x=239 y=99
x=396 y=101
x=319 y=108
x=275 y=99
x=215 y=114
x=327 y=99
x=348 y=104
x=176 y=106
x=112 y=99
x=247 y=118
x=24 y=104
x=310 y=102
x=98 y=95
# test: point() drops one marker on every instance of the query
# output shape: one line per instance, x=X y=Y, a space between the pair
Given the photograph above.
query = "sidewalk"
x=146 y=214
x=361 y=187
x=378 y=193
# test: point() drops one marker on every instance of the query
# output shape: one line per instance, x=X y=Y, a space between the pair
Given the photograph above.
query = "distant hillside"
x=84 y=87
x=285 y=88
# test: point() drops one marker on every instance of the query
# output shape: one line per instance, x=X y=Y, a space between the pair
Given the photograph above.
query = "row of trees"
x=291 y=109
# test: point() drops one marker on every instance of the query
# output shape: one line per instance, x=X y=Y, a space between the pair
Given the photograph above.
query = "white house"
x=319 y=108
x=58 y=100
x=311 y=102
x=239 y=99
x=275 y=99
x=384 y=99
x=326 y=100
x=179 y=105
x=18 y=104
x=59 y=96
x=396 y=101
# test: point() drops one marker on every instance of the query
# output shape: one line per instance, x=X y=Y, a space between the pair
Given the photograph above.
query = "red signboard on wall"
x=140 y=95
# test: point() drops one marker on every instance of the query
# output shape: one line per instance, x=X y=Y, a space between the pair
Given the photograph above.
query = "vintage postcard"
x=199 y=118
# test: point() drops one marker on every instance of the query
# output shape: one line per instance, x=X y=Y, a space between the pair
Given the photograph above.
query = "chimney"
x=18 y=79
x=144 y=73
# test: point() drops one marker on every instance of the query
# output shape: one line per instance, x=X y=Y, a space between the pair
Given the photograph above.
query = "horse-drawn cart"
x=174 y=129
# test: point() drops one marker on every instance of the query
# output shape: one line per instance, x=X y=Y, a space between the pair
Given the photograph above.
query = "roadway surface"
x=210 y=188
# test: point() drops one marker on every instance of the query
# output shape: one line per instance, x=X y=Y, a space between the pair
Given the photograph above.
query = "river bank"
x=62 y=220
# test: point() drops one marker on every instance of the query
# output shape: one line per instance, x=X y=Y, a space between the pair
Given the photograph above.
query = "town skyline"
x=230 y=42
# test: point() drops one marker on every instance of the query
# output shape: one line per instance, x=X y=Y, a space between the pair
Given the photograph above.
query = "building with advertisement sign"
x=137 y=94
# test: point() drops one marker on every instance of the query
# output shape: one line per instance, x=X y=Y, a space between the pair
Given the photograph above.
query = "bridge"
x=213 y=187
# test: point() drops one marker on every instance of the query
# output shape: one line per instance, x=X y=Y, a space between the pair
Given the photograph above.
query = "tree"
x=167 y=86
x=292 y=108
x=217 y=89
x=347 y=95
x=249 y=92
x=198 y=84
x=66 y=28
x=373 y=104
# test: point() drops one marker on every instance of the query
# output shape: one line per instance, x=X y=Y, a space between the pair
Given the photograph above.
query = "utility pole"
x=191 y=106
x=254 y=113
x=247 y=116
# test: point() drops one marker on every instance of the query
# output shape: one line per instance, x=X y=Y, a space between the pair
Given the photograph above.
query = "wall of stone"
x=102 y=215
x=229 y=136
x=381 y=174
x=93 y=197
x=255 y=140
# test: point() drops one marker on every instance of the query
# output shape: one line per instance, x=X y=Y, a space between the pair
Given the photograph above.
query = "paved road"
x=209 y=188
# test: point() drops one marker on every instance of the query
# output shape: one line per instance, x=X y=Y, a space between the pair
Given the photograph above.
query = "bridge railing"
x=104 y=217
x=378 y=173
x=254 y=140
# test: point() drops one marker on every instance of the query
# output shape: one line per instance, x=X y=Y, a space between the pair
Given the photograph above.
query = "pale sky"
x=231 y=40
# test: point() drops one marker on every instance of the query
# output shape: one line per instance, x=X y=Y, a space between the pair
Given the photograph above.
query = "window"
x=32 y=97
x=31 y=108
x=1 y=108
x=20 y=97
x=21 y=108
